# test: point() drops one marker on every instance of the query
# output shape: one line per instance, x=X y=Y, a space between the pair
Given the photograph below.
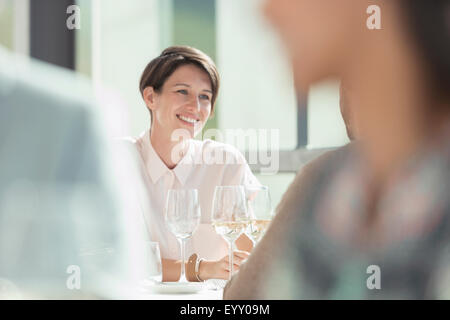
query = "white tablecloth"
x=202 y=295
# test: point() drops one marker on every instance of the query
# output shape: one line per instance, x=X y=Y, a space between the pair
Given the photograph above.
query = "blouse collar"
x=157 y=168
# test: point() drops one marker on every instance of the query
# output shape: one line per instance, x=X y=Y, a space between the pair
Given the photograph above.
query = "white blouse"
x=196 y=170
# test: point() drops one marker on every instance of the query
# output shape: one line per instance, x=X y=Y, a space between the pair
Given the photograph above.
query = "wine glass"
x=153 y=263
x=182 y=216
x=260 y=211
x=229 y=215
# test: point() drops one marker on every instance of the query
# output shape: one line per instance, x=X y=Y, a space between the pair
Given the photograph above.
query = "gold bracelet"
x=197 y=270
x=190 y=268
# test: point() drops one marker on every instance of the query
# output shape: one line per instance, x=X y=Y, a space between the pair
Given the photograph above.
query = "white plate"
x=175 y=287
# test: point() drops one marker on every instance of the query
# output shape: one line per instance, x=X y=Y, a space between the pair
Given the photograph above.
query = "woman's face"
x=183 y=103
x=320 y=35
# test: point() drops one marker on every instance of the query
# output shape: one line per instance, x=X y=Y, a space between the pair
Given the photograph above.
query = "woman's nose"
x=194 y=104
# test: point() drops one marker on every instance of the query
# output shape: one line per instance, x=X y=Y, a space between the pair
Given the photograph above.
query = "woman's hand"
x=220 y=269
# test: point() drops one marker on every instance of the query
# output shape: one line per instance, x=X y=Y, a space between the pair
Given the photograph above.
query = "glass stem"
x=231 y=258
x=183 y=266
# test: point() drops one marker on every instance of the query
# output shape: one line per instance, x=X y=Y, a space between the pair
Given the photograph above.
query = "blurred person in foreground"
x=286 y=211
x=67 y=228
x=375 y=223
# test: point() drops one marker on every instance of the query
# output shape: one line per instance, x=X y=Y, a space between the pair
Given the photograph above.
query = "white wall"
x=257 y=89
x=125 y=38
x=325 y=125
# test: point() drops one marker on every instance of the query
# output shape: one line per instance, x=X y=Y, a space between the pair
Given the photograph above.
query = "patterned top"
x=408 y=244
x=319 y=245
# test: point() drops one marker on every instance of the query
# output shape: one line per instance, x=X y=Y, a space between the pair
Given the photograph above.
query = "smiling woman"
x=179 y=89
x=159 y=69
x=186 y=95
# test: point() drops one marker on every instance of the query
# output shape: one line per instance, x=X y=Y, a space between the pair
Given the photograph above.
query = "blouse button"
x=170 y=178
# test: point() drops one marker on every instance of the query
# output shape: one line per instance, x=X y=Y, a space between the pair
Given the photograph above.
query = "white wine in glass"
x=257 y=228
x=230 y=230
x=182 y=216
x=259 y=210
x=229 y=215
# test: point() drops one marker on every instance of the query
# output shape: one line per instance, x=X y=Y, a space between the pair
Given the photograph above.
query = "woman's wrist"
x=203 y=270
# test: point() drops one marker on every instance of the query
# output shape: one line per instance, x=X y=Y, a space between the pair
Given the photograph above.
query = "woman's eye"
x=182 y=91
x=204 y=97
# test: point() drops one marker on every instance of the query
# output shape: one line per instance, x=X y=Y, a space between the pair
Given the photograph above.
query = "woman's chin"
x=189 y=131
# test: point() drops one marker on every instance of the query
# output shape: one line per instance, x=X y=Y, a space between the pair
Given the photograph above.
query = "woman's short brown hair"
x=159 y=69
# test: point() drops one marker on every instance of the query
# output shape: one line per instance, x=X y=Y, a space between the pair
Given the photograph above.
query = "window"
x=325 y=125
x=115 y=43
x=6 y=23
x=14 y=25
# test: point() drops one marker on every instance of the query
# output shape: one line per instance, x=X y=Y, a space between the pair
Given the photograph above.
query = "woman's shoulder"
x=129 y=145
x=130 y=142
x=215 y=145
x=126 y=140
x=218 y=150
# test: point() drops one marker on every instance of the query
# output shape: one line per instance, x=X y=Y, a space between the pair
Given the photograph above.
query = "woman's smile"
x=188 y=120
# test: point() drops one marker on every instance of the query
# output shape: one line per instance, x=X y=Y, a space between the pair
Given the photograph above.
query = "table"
x=202 y=295
x=212 y=290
